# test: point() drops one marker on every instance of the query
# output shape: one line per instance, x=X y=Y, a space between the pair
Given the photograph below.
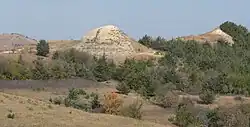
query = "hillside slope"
x=211 y=37
x=112 y=42
x=57 y=45
x=29 y=113
x=14 y=40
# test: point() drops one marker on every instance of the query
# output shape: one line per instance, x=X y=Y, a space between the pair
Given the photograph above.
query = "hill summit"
x=112 y=42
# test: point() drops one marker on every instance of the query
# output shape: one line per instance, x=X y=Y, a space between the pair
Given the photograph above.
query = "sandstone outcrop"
x=112 y=42
x=211 y=37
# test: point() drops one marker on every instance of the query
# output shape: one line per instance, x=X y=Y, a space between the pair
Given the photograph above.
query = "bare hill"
x=56 y=45
x=112 y=42
x=14 y=40
x=29 y=113
x=211 y=37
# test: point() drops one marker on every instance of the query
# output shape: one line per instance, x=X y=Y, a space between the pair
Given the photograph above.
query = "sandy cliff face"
x=112 y=42
x=211 y=37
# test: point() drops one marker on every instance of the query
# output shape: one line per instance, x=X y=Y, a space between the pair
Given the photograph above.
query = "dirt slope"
x=112 y=42
x=211 y=37
x=29 y=113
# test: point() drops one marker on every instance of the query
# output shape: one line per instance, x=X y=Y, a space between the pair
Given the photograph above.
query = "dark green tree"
x=146 y=40
x=42 y=48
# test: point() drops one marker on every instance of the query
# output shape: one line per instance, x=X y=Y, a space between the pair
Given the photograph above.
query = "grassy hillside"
x=29 y=113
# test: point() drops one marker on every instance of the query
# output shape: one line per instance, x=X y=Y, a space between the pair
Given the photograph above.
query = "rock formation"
x=112 y=42
x=211 y=37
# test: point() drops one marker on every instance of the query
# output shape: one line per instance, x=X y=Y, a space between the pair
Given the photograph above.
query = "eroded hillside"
x=112 y=42
x=211 y=37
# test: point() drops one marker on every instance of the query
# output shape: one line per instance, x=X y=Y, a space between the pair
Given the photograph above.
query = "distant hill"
x=112 y=42
x=15 y=40
x=211 y=37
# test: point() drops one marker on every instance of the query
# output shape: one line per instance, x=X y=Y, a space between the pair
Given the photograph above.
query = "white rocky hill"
x=112 y=42
x=211 y=37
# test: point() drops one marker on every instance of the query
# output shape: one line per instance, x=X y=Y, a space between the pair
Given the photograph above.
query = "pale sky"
x=70 y=19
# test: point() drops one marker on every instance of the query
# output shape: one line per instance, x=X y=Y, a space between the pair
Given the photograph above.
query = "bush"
x=238 y=98
x=170 y=100
x=112 y=103
x=103 y=70
x=123 y=88
x=230 y=116
x=11 y=115
x=183 y=116
x=79 y=99
x=95 y=103
x=187 y=115
x=42 y=48
x=207 y=97
x=58 y=100
x=82 y=104
x=133 y=110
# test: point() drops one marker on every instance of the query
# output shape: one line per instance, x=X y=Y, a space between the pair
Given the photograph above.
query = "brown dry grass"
x=220 y=101
x=151 y=112
x=33 y=113
x=61 y=44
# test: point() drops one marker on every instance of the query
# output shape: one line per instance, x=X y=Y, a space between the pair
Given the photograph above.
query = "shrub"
x=95 y=103
x=42 y=48
x=11 y=115
x=170 y=100
x=74 y=93
x=238 y=98
x=207 y=97
x=112 y=103
x=232 y=116
x=79 y=99
x=183 y=117
x=82 y=104
x=123 y=88
x=50 y=100
x=103 y=70
x=187 y=115
x=30 y=108
x=133 y=110
x=58 y=100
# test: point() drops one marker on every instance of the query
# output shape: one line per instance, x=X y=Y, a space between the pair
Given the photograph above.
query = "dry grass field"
x=52 y=89
x=30 y=112
x=30 y=99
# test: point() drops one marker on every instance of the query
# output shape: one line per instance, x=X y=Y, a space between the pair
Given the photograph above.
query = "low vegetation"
x=79 y=99
x=224 y=116
x=133 y=110
x=11 y=114
x=112 y=103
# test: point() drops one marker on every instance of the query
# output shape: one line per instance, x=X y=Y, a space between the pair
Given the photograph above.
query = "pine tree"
x=42 y=48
